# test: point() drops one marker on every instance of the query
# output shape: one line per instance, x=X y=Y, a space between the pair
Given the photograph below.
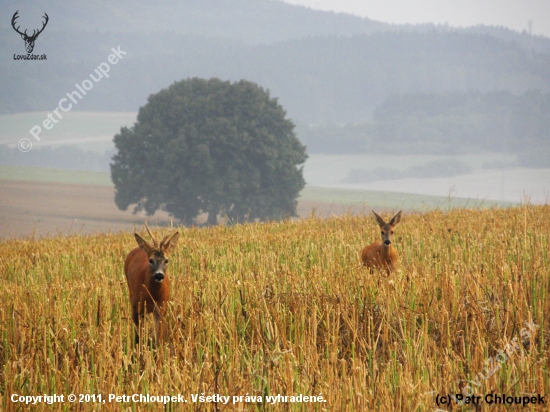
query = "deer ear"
x=395 y=219
x=379 y=219
x=143 y=245
x=169 y=242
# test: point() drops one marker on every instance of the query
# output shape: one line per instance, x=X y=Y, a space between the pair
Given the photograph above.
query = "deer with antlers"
x=146 y=274
x=29 y=40
x=382 y=255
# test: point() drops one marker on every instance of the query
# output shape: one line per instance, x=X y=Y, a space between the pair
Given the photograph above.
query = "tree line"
x=416 y=123
x=448 y=123
x=319 y=80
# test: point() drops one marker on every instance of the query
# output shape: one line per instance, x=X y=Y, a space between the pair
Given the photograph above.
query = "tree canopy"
x=210 y=146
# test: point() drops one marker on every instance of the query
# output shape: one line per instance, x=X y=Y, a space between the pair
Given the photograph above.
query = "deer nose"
x=387 y=242
x=159 y=276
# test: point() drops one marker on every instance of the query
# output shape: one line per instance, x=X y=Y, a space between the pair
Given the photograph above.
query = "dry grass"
x=285 y=308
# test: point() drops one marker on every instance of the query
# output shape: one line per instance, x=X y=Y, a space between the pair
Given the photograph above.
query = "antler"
x=43 y=26
x=15 y=17
x=34 y=33
x=168 y=239
x=150 y=234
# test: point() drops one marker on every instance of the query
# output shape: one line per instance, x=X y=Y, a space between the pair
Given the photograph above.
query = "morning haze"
x=427 y=108
x=513 y=14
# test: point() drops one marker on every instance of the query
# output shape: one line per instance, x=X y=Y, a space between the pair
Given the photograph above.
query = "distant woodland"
x=349 y=84
x=448 y=123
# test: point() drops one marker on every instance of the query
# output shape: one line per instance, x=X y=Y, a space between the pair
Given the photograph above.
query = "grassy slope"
x=352 y=198
x=392 y=200
x=37 y=174
x=78 y=124
x=285 y=308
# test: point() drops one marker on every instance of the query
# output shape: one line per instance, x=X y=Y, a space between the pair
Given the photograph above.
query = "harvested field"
x=266 y=313
x=34 y=208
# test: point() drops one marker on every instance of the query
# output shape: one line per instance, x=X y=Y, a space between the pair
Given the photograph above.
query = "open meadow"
x=40 y=202
x=491 y=177
x=285 y=308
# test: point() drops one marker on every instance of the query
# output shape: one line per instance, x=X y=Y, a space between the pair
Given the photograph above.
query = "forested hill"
x=318 y=80
x=249 y=21
x=324 y=67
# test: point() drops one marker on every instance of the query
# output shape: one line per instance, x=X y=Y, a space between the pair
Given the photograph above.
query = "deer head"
x=29 y=40
x=157 y=254
x=387 y=228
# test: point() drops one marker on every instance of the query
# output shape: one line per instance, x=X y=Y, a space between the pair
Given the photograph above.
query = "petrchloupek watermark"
x=494 y=363
x=75 y=96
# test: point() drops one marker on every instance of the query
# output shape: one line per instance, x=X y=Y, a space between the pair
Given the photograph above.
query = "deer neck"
x=387 y=250
x=153 y=285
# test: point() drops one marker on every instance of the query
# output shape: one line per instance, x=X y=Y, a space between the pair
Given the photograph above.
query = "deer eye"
x=165 y=261
x=382 y=232
x=151 y=262
x=392 y=232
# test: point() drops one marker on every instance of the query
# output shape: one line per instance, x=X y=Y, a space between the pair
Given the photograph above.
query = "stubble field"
x=285 y=308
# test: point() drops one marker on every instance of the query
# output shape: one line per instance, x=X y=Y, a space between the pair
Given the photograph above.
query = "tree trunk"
x=212 y=218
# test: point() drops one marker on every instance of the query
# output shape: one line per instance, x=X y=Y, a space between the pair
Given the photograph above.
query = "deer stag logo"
x=29 y=40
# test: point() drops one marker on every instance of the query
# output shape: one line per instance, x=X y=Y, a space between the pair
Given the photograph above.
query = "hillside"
x=318 y=80
x=253 y=22
x=333 y=73
x=325 y=67
x=40 y=202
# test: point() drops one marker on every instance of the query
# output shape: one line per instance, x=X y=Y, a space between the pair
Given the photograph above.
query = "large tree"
x=210 y=146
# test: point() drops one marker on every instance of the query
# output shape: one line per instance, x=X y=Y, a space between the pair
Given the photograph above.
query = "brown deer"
x=382 y=255
x=146 y=273
x=29 y=40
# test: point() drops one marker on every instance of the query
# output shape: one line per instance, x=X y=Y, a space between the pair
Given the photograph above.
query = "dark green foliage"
x=448 y=123
x=209 y=146
x=463 y=122
x=336 y=139
x=319 y=80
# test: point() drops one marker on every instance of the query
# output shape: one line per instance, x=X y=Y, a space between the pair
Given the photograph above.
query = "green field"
x=86 y=130
x=94 y=131
x=392 y=200
x=73 y=122
x=337 y=197
x=37 y=174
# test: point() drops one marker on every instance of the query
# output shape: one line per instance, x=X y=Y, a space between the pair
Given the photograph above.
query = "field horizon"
x=40 y=202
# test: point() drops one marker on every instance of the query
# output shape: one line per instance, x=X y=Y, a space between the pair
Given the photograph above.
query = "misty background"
x=407 y=108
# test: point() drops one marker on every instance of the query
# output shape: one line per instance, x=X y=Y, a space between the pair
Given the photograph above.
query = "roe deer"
x=382 y=255
x=148 y=283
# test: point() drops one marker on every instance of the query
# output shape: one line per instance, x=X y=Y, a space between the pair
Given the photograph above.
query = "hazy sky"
x=514 y=14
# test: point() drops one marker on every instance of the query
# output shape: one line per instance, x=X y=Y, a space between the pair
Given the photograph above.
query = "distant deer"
x=382 y=255
x=29 y=40
x=148 y=283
